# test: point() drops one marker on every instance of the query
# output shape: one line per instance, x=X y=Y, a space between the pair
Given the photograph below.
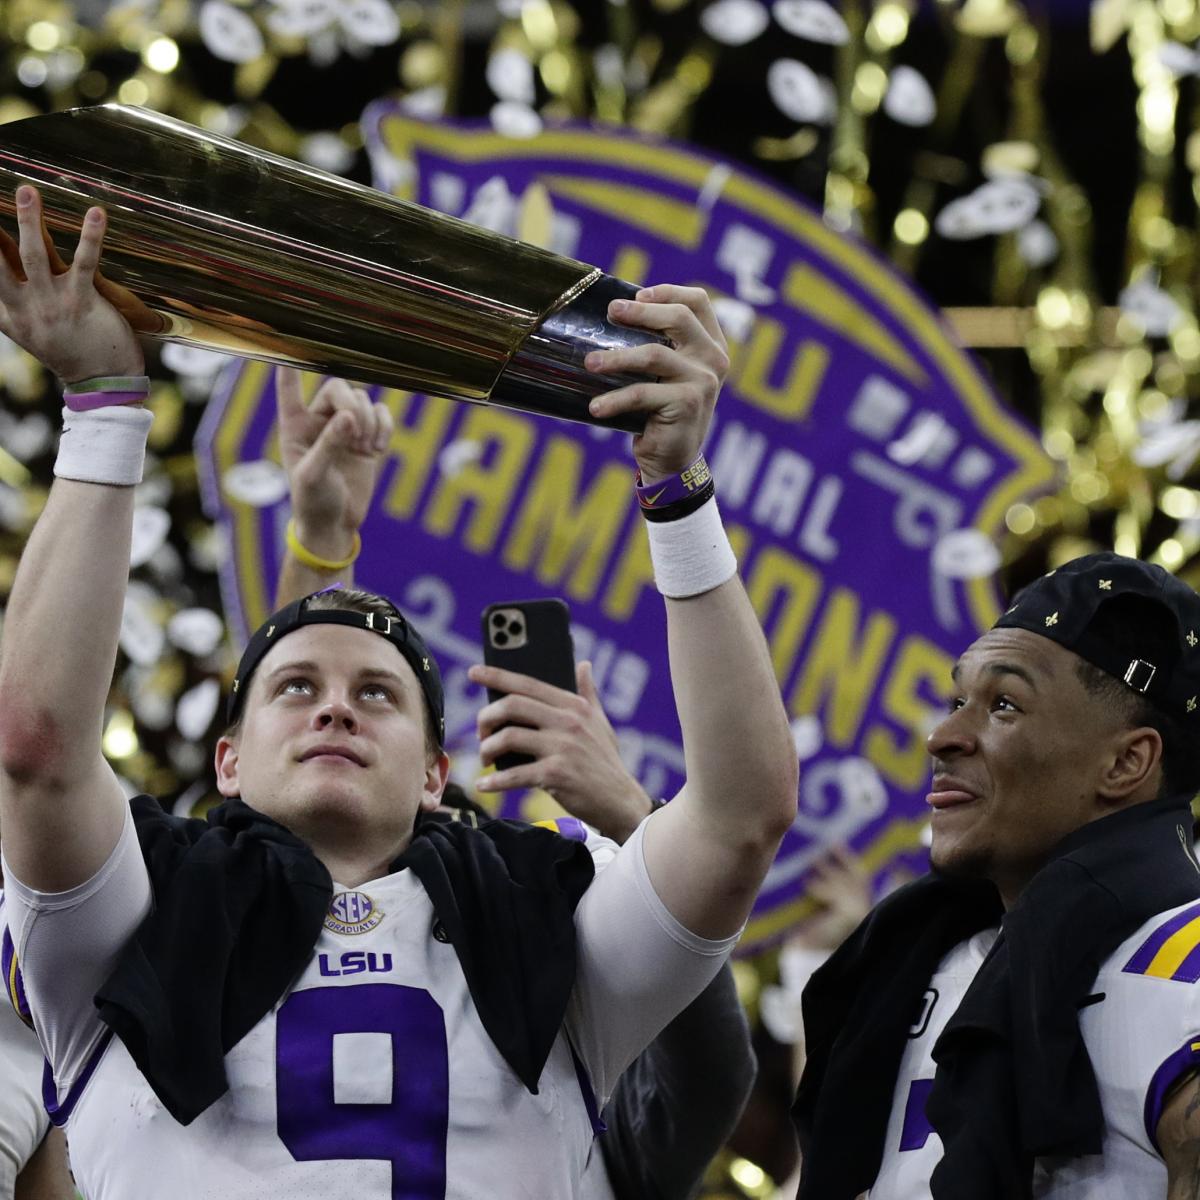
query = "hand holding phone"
x=530 y=637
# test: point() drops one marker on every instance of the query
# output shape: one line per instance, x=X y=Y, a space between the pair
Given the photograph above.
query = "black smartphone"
x=532 y=637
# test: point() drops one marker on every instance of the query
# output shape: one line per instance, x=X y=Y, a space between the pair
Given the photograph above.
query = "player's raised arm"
x=708 y=850
x=332 y=450
x=60 y=803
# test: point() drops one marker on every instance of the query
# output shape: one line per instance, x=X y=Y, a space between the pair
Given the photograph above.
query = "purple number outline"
x=411 y=1131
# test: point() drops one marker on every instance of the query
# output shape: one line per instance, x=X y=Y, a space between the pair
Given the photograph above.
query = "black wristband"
x=681 y=508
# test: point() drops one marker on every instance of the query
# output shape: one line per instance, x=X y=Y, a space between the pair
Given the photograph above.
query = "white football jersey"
x=23 y=1119
x=373 y=1077
x=1142 y=1032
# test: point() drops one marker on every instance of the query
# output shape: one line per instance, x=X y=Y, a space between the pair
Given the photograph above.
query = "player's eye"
x=956 y=702
x=296 y=686
x=376 y=691
x=1005 y=704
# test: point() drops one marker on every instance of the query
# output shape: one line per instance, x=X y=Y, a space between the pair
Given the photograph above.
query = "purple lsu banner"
x=863 y=468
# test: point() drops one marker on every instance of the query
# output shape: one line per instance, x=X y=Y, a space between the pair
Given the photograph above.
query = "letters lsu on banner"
x=863 y=468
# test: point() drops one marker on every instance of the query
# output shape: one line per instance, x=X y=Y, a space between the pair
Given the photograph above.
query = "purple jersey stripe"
x=1185 y=1059
x=589 y=1096
x=1145 y=953
x=60 y=1114
x=571 y=827
x=14 y=985
x=1188 y=971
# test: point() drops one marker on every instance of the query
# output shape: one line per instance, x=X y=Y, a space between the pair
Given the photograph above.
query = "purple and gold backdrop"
x=863 y=466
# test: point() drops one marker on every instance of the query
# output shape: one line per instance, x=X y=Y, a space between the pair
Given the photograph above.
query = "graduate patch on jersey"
x=1172 y=951
x=352 y=912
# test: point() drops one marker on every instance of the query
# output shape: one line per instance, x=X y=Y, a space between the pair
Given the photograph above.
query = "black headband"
x=394 y=628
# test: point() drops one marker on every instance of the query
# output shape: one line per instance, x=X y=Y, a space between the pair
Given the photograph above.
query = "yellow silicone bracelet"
x=302 y=554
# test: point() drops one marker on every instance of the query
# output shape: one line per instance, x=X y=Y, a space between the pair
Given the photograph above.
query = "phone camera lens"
x=516 y=628
x=500 y=637
x=498 y=620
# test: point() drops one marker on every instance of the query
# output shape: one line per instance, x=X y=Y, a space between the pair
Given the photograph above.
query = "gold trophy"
x=248 y=253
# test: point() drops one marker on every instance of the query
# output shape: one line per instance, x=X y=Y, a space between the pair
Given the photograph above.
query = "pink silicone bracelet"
x=85 y=401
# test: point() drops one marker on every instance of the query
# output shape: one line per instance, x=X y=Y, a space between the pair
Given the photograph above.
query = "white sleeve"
x=67 y=944
x=23 y=1120
x=637 y=967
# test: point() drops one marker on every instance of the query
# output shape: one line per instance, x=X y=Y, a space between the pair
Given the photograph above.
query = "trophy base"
x=547 y=375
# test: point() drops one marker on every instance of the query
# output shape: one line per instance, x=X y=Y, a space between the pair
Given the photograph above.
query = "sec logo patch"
x=352 y=912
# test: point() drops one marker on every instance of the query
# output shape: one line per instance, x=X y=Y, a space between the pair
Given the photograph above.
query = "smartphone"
x=532 y=637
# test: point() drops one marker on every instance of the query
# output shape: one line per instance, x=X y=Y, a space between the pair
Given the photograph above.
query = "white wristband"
x=691 y=555
x=104 y=445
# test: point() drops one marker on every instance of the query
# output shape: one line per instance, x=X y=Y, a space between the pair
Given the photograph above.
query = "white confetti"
x=209 y=549
x=193 y=361
x=28 y=437
x=13 y=509
x=813 y=20
x=735 y=317
x=807 y=736
x=862 y=785
x=513 y=120
x=799 y=92
x=327 y=151
x=196 y=631
x=781 y=1015
x=142 y=637
x=301 y=18
x=154 y=708
x=510 y=75
x=965 y=554
x=493 y=207
x=428 y=102
x=998 y=206
x=1037 y=245
x=150 y=528
x=1157 y=311
x=324 y=46
x=371 y=22
x=609 y=64
x=751 y=289
x=229 y=33
x=256 y=483
x=734 y=22
x=909 y=99
x=458 y=455
x=389 y=173
x=1179 y=59
x=196 y=708
x=1177 y=443
x=166 y=565
x=188 y=800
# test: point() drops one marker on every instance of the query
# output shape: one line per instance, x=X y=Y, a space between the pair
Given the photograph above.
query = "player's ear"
x=437 y=772
x=226 y=763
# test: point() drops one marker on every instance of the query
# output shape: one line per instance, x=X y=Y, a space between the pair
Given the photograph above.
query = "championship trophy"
x=236 y=250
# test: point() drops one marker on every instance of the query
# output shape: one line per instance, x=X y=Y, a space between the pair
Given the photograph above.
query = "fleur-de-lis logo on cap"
x=1191 y=637
x=1052 y=619
x=1191 y=704
x=1106 y=585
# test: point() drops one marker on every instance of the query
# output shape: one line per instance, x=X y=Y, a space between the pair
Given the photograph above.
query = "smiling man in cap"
x=1025 y=1020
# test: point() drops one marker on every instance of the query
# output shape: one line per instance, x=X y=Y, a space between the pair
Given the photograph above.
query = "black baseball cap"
x=394 y=628
x=1063 y=604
